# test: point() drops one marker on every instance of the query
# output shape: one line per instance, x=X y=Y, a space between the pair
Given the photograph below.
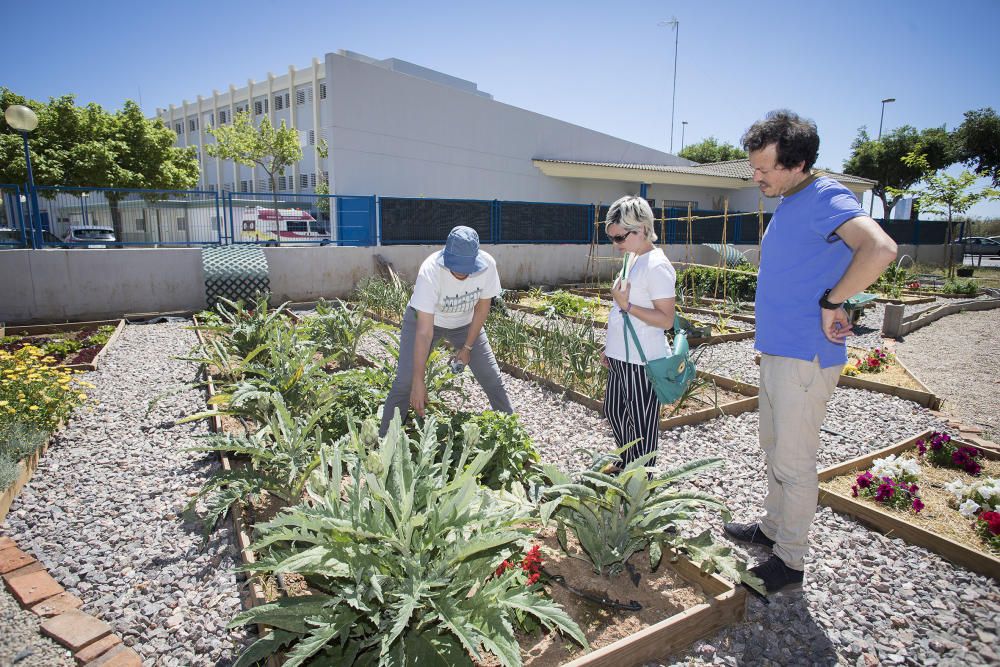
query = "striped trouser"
x=631 y=406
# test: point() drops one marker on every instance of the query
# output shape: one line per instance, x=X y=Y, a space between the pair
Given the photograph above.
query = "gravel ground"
x=104 y=510
x=21 y=641
x=867 y=598
x=939 y=354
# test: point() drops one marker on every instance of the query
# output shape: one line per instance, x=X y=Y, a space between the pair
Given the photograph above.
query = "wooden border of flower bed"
x=726 y=605
x=924 y=396
x=943 y=295
x=750 y=319
x=892 y=525
x=904 y=301
x=36 y=329
x=29 y=465
x=692 y=341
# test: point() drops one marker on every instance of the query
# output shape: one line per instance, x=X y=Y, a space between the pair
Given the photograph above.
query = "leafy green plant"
x=614 y=518
x=401 y=560
x=959 y=286
x=62 y=347
x=101 y=336
x=338 y=330
x=569 y=304
x=17 y=441
x=892 y=281
x=360 y=393
x=514 y=458
x=739 y=282
x=244 y=327
x=282 y=454
x=438 y=376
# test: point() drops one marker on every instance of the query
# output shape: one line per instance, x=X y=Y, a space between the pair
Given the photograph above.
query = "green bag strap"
x=631 y=330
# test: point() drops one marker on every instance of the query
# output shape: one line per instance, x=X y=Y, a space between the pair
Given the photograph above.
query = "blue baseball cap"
x=461 y=251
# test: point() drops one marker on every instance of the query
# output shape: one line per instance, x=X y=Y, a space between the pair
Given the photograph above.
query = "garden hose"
x=601 y=600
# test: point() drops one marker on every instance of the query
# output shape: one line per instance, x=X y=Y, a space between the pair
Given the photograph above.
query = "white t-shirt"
x=451 y=300
x=652 y=277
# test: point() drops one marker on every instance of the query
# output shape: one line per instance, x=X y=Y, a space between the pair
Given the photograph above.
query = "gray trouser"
x=482 y=363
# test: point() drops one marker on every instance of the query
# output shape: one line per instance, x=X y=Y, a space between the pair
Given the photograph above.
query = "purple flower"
x=917 y=505
x=921 y=447
x=865 y=480
x=854 y=491
x=884 y=492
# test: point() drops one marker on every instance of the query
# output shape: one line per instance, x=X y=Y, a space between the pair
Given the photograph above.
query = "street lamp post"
x=23 y=120
x=676 y=25
x=871 y=205
x=684 y=124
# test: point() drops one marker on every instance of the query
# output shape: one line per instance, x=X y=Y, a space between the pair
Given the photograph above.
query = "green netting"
x=234 y=272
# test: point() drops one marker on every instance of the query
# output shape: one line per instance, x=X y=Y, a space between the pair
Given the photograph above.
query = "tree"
x=882 y=160
x=90 y=147
x=978 y=143
x=273 y=150
x=710 y=150
x=944 y=194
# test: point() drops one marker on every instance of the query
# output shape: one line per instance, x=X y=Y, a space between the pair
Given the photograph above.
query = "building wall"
x=398 y=135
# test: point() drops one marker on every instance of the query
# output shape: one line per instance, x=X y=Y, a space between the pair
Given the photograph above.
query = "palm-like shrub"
x=244 y=327
x=400 y=559
x=280 y=457
x=337 y=330
x=615 y=517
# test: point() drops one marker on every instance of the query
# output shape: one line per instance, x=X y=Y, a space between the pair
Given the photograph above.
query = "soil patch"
x=709 y=396
x=662 y=594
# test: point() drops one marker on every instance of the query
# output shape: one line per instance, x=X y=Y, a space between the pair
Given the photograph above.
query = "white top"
x=652 y=277
x=451 y=300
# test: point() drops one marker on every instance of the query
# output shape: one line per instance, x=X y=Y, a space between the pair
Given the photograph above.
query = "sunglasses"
x=620 y=238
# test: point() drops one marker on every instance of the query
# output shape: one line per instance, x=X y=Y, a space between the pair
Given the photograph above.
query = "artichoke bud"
x=470 y=434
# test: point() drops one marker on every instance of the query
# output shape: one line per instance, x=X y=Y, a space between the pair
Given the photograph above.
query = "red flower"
x=504 y=566
x=992 y=520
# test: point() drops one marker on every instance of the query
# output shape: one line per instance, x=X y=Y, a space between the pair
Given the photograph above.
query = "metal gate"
x=356 y=221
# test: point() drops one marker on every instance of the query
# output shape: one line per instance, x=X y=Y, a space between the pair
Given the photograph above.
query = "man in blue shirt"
x=819 y=249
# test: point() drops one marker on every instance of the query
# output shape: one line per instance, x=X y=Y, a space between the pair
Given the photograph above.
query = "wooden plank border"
x=726 y=606
x=28 y=466
x=905 y=301
x=923 y=396
x=892 y=524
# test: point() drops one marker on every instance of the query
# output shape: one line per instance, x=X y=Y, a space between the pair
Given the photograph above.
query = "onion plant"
x=385 y=298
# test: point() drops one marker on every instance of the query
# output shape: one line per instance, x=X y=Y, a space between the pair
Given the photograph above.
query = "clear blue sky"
x=603 y=65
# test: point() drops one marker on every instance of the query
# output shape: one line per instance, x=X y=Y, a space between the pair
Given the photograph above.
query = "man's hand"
x=621 y=294
x=836 y=324
x=418 y=396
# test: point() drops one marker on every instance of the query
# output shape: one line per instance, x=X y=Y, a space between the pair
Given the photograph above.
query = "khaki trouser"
x=793 y=397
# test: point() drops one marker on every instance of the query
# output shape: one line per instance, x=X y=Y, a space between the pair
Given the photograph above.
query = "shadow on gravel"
x=785 y=633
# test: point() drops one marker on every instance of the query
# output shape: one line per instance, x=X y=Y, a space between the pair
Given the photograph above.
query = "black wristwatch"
x=828 y=305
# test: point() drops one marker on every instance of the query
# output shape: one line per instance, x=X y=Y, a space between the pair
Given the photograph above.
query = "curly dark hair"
x=796 y=138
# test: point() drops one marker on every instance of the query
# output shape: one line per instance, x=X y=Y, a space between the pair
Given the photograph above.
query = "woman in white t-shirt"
x=451 y=300
x=646 y=294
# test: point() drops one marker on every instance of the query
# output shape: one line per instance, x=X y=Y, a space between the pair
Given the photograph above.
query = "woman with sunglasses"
x=644 y=290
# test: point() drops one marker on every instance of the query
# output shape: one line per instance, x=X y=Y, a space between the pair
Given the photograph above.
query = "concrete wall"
x=67 y=285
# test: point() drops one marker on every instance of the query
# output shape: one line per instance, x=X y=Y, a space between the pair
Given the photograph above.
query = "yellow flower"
x=82 y=396
x=33 y=407
x=3 y=403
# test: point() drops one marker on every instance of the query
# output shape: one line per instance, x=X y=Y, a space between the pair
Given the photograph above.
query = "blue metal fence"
x=12 y=230
x=67 y=215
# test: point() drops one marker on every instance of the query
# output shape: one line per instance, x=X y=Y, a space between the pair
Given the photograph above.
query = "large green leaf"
x=433 y=649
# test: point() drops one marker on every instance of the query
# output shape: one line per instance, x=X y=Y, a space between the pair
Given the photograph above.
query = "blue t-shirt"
x=800 y=258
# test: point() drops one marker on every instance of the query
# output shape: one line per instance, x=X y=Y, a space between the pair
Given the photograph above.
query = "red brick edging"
x=89 y=638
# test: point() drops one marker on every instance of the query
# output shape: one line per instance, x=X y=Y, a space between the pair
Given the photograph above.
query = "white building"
x=396 y=129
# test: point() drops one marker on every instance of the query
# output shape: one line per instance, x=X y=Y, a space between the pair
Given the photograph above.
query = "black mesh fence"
x=430 y=220
x=533 y=222
x=920 y=232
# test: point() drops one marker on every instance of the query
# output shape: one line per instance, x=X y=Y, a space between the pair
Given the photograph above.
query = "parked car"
x=9 y=236
x=90 y=237
x=978 y=245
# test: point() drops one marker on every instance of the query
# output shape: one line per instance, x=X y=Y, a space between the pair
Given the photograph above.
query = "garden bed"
x=28 y=466
x=927 y=529
x=680 y=604
x=71 y=335
x=904 y=300
x=895 y=380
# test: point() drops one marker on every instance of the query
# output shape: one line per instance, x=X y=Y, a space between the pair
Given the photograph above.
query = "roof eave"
x=651 y=176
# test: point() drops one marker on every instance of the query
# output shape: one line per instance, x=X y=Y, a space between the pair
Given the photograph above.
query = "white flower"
x=986 y=492
x=895 y=468
x=969 y=508
x=956 y=488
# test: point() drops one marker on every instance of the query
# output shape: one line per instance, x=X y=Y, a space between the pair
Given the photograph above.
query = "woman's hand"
x=621 y=294
x=604 y=360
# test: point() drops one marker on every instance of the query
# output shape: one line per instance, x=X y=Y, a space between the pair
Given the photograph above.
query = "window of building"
x=303 y=95
x=281 y=182
x=278 y=103
x=227 y=187
x=223 y=117
x=244 y=186
x=182 y=224
x=287 y=105
x=312 y=137
x=322 y=91
x=303 y=180
x=179 y=128
x=140 y=224
x=192 y=125
x=312 y=180
x=210 y=119
x=262 y=185
x=258 y=108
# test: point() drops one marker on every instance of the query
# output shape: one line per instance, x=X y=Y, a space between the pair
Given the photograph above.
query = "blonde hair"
x=633 y=214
